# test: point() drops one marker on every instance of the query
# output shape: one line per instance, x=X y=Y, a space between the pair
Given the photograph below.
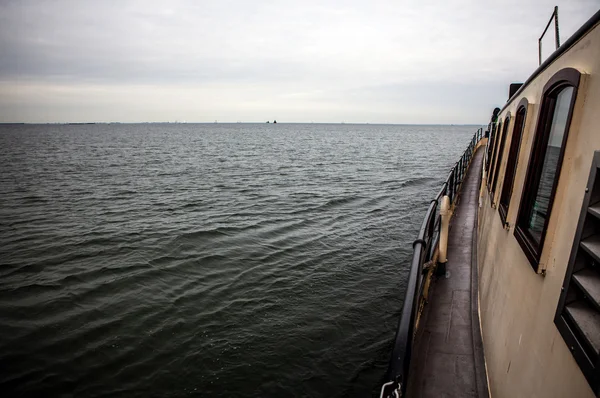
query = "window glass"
x=538 y=214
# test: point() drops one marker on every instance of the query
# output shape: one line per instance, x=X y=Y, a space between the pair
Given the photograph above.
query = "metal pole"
x=556 y=34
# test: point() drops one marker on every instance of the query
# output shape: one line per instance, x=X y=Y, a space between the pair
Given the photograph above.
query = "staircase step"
x=592 y=246
x=587 y=320
x=589 y=281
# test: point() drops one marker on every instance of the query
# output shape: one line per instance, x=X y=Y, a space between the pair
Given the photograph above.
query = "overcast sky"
x=294 y=61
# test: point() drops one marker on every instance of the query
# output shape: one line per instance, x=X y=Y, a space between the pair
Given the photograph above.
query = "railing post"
x=451 y=186
x=457 y=176
x=454 y=171
x=455 y=182
x=443 y=245
x=456 y=179
x=556 y=33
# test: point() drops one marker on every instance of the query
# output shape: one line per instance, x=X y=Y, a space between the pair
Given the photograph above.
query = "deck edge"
x=481 y=378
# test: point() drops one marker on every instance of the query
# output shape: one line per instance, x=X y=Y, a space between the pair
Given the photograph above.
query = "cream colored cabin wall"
x=525 y=354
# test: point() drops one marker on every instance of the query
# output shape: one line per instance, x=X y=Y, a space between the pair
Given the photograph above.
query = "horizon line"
x=241 y=122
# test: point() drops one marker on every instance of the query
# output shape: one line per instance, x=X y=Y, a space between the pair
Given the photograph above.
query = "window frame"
x=568 y=77
x=501 y=145
x=512 y=162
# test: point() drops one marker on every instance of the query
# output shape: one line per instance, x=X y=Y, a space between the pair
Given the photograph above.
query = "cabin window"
x=490 y=147
x=511 y=163
x=502 y=140
x=578 y=314
x=545 y=163
x=494 y=153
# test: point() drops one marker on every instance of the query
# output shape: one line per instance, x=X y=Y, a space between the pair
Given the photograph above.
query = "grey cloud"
x=278 y=54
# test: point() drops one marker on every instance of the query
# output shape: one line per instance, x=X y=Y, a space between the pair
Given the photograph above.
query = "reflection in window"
x=539 y=211
x=545 y=162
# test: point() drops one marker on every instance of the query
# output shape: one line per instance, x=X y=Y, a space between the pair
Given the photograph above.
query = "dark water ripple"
x=213 y=260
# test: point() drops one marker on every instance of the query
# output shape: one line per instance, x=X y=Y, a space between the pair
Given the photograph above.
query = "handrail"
x=423 y=253
x=566 y=46
x=556 y=33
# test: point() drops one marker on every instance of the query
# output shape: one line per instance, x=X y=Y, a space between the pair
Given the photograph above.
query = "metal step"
x=595 y=210
x=592 y=246
x=589 y=281
x=587 y=320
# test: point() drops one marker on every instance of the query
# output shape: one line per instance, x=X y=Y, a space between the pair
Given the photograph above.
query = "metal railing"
x=424 y=248
x=556 y=33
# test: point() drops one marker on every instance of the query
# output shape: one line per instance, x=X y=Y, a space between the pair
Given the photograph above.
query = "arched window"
x=502 y=141
x=513 y=156
x=494 y=152
x=490 y=147
x=545 y=162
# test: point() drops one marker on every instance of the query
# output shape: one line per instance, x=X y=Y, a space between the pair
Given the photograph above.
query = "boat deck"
x=448 y=356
